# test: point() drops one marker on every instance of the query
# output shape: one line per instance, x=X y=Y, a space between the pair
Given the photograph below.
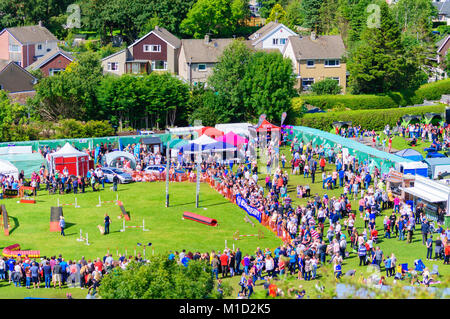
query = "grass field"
x=167 y=230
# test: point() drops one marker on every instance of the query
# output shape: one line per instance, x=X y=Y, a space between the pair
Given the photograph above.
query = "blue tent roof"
x=191 y=148
x=410 y=154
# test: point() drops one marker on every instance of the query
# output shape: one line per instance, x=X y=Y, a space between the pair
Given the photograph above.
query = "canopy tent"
x=363 y=153
x=433 y=118
x=191 y=148
x=209 y=131
x=266 y=126
x=177 y=143
x=342 y=123
x=410 y=118
x=110 y=158
x=232 y=138
x=410 y=154
x=6 y=168
x=219 y=146
x=28 y=163
x=77 y=162
x=16 y=150
x=237 y=128
x=203 y=140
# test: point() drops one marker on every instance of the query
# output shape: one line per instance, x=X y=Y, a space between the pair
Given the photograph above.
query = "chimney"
x=207 y=38
x=40 y=23
x=313 y=35
x=157 y=27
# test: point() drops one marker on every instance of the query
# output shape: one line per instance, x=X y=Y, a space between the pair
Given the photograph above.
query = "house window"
x=307 y=82
x=283 y=41
x=336 y=79
x=152 y=48
x=275 y=41
x=159 y=65
x=14 y=48
x=39 y=46
x=113 y=66
x=54 y=71
x=202 y=67
x=332 y=63
x=310 y=63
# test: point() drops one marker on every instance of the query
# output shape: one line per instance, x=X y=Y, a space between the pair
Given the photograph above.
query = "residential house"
x=24 y=45
x=158 y=50
x=14 y=78
x=273 y=35
x=198 y=58
x=255 y=19
x=443 y=9
x=316 y=58
x=437 y=68
x=53 y=62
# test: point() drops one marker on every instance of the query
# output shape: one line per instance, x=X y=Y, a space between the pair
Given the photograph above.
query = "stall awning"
x=421 y=193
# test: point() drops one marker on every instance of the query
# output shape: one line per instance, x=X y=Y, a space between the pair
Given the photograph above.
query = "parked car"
x=109 y=172
x=154 y=168
x=160 y=168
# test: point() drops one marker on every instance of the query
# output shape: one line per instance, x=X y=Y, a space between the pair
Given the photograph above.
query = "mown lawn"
x=167 y=230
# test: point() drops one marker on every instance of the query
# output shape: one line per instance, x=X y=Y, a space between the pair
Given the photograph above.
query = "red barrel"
x=200 y=219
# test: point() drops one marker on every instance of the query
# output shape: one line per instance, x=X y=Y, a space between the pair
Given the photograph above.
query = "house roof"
x=266 y=30
x=443 y=7
x=21 y=97
x=441 y=43
x=5 y=63
x=202 y=52
x=48 y=57
x=263 y=30
x=31 y=34
x=164 y=34
x=323 y=47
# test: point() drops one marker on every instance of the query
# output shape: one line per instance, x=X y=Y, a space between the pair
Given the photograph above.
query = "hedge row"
x=429 y=91
x=368 y=119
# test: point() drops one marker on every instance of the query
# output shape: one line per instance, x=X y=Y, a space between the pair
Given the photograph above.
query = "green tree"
x=293 y=17
x=117 y=96
x=218 y=17
x=72 y=93
x=163 y=96
x=13 y=120
x=276 y=14
x=268 y=85
x=415 y=17
x=310 y=10
x=161 y=278
x=379 y=63
x=226 y=82
x=327 y=86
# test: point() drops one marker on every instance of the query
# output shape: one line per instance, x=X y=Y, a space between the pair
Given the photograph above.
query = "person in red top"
x=322 y=163
x=374 y=235
x=99 y=265
x=224 y=264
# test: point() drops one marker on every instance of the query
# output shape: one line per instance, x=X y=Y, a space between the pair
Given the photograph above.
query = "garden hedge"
x=429 y=91
x=368 y=119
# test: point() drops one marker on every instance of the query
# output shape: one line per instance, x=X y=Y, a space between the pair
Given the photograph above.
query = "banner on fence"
x=252 y=211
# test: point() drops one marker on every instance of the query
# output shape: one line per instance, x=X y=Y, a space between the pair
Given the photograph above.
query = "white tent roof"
x=429 y=190
x=6 y=168
x=68 y=150
x=203 y=140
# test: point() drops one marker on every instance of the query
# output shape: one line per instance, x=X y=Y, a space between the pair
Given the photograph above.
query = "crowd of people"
x=310 y=244
x=57 y=272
